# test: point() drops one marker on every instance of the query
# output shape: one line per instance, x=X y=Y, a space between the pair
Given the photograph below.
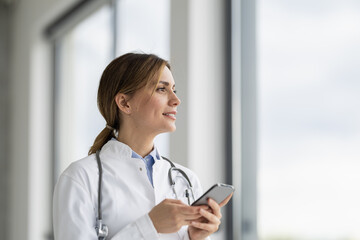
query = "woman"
x=137 y=98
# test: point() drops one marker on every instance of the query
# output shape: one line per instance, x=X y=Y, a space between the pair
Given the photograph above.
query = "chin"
x=166 y=130
x=170 y=129
x=173 y=128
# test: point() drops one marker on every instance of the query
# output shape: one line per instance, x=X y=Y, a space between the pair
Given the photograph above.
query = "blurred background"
x=270 y=103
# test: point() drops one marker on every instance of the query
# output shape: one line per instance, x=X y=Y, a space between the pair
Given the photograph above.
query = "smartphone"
x=217 y=192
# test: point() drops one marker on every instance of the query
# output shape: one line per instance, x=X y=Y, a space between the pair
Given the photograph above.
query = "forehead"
x=166 y=77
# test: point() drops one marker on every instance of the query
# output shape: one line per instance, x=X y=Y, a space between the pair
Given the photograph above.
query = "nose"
x=174 y=101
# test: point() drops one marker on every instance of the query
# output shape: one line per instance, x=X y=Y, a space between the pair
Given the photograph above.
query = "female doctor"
x=137 y=98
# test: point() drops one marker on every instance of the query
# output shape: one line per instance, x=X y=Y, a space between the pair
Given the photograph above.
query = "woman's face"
x=155 y=113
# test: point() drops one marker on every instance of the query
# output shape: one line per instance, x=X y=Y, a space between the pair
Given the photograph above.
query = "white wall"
x=199 y=142
x=206 y=94
x=200 y=80
x=30 y=130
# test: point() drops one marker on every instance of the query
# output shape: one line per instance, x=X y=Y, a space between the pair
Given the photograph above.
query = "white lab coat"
x=127 y=196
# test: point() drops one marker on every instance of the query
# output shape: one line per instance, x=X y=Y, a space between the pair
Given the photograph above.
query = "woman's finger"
x=173 y=201
x=191 y=217
x=210 y=217
x=223 y=203
x=211 y=228
x=215 y=207
x=189 y=210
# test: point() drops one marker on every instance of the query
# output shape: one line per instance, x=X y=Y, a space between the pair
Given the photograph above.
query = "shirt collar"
x=154 y=154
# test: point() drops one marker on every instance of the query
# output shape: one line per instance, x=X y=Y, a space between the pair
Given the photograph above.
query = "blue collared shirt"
x=149 y=161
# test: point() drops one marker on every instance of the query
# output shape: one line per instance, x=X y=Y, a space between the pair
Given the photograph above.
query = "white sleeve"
x=74 y=216
x=184 y=235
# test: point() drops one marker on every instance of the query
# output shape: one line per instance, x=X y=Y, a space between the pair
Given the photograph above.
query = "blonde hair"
x=125 y=74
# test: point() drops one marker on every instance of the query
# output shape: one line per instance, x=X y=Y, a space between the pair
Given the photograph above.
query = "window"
x=81 y=56
x=145 y=29
x=309 y=119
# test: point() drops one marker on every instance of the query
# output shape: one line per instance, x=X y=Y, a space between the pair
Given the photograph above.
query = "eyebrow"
x=165 y=83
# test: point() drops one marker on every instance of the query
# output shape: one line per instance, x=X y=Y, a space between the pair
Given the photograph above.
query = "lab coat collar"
x=117 y=148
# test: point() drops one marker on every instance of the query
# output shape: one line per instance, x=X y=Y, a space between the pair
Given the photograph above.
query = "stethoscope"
x=102 y=229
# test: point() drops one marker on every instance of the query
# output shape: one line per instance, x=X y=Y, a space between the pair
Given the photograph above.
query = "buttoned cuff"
x=146 y=228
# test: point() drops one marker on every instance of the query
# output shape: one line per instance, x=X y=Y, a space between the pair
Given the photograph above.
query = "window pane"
x=143 y=26
x=82 y=55
x=309 y=119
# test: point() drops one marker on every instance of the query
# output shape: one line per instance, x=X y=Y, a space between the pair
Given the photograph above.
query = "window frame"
x=244 y=119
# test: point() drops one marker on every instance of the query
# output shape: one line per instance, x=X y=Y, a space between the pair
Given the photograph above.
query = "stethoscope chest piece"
x=101 y=230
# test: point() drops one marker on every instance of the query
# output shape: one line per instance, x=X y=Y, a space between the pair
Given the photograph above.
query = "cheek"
x=152 y=108
x=156 y=105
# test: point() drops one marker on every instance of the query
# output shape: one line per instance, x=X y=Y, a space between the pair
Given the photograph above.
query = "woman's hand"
x=171 y=214
x=209 y=221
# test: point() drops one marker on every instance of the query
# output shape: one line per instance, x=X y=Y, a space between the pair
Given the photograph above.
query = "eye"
x=161 y=89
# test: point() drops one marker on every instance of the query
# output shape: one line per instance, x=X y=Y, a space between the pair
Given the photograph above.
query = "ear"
x=121 y=100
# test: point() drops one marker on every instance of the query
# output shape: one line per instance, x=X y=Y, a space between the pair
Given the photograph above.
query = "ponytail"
x=104 y=136
x=111 y=115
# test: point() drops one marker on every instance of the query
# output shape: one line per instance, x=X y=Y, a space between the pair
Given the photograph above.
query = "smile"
x=170 y=115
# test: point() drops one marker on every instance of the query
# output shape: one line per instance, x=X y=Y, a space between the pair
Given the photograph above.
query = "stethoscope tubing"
x=101 y=229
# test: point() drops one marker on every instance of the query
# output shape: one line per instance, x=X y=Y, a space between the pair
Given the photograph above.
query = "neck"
x=138 y=141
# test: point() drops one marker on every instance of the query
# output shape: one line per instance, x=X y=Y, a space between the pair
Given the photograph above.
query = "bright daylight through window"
x=84 y=52
x=309 y=119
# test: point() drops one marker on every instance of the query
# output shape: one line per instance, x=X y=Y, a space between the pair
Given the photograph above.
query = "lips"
x=170 y=114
